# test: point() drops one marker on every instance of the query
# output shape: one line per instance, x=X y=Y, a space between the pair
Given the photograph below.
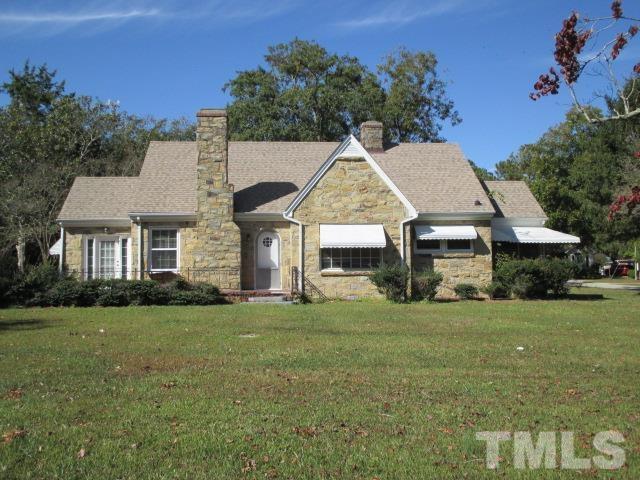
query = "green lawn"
x=343 y=390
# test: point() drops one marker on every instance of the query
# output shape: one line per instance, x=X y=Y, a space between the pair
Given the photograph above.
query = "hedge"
x=42 y=286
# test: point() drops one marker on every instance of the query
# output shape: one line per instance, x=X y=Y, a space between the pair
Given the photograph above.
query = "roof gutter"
x=163 y=216
x=93 y=222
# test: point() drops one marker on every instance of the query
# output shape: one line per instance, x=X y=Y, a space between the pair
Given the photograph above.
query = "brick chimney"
x=215 y=243
x=371 y=136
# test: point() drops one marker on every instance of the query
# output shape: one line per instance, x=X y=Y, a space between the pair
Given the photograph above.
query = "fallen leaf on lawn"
x=249 y=465
x=82 y=453
x=10 y=436
x=446 y=430
x=14 y=394
x=306 y=431
x=168 y=385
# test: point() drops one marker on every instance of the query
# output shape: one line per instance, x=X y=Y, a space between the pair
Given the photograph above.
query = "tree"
x=416 y=103
x=482 y=173
x=584 y=46
x=308 y=94
x=575 y=171
x=305 y=94
x=47 y=138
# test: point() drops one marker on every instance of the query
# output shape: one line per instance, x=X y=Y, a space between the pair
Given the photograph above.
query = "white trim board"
x=349 y=148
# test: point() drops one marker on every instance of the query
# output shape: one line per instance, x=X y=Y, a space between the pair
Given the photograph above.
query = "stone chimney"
x=211 y=134
x=215 y=244
x=371 y=136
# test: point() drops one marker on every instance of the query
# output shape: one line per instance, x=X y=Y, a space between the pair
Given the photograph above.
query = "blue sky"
x=168 y=58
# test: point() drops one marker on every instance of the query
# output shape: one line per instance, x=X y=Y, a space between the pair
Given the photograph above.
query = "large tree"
x=47 y=138
x=306 y=93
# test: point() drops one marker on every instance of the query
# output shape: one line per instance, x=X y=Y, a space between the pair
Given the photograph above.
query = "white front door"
x=268 y=262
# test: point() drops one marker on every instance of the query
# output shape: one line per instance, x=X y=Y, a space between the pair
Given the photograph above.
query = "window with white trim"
x=163 y=249
x=443 y=246
x=350 y=258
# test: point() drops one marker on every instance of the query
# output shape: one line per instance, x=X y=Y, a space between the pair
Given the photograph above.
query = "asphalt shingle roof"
x=435 y=178
x=514 y=199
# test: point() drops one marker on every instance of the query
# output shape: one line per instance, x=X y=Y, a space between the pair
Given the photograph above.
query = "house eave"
x=258 y=217
x=94 y=222
x=455 y=216
x=163 y=216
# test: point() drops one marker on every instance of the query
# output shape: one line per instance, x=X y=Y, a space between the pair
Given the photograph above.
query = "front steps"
x=258 y=296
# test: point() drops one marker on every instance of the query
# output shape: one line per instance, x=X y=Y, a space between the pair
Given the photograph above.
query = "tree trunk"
x=20 y=248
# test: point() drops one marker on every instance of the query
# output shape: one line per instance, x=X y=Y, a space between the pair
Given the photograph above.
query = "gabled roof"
x=267 y=176
x=513 y=199
x=99 y=198
x=350 y=147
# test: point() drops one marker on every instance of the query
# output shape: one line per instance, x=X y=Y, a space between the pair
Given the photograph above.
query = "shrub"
x=496 y=290
x=534 y=278
x=524 y=286
x=466 y=291
x=426 y=284
x=185 y=293
x=147 y=292
x=392 y=281
x=113 y=293
x=65 y=293
x=35 y=282
x=557 y=273
x=631 y=274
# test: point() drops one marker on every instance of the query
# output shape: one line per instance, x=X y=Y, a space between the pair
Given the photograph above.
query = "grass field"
x=344 y=390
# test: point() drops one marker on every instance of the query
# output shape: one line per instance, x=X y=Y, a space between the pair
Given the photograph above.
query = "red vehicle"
x=618 y=268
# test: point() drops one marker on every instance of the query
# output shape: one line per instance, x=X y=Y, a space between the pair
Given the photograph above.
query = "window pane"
x=458 y=244
x=164 y=259
x=124 y=256
x=326 y=258
x=376 y=254
x=90 y=258
x=164 y=238
x=428 y=244
x=106 y=258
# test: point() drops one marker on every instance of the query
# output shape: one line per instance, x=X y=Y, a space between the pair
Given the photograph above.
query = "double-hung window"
x=163 y=249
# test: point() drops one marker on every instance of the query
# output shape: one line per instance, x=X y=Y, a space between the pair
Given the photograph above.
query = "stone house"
x=293 y=215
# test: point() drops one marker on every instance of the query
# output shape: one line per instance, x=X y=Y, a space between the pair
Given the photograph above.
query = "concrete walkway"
x=608 y=286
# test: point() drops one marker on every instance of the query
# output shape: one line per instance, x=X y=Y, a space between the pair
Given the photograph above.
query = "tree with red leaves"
x=582 y=47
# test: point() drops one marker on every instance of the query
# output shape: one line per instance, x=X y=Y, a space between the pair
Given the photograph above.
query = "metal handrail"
x=307 y=285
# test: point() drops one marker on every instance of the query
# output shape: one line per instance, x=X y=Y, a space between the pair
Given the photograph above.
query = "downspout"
x=140 y=265
x=62 y=250
x=300 y=251
x=410 y=218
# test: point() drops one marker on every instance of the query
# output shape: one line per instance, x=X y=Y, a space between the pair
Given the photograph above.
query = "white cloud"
x=74 y=18
x=95 y=17
x=402 y=12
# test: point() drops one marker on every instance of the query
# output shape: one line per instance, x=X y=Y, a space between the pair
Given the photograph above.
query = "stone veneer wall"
x=74 y=245
x=249 y=231
x=215 y=241
x=474 y=268
x=351 y=192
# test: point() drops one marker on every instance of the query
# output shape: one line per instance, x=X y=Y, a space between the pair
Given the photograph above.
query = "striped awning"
x=352 y=236
x=531 y=235
x=446 y=232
